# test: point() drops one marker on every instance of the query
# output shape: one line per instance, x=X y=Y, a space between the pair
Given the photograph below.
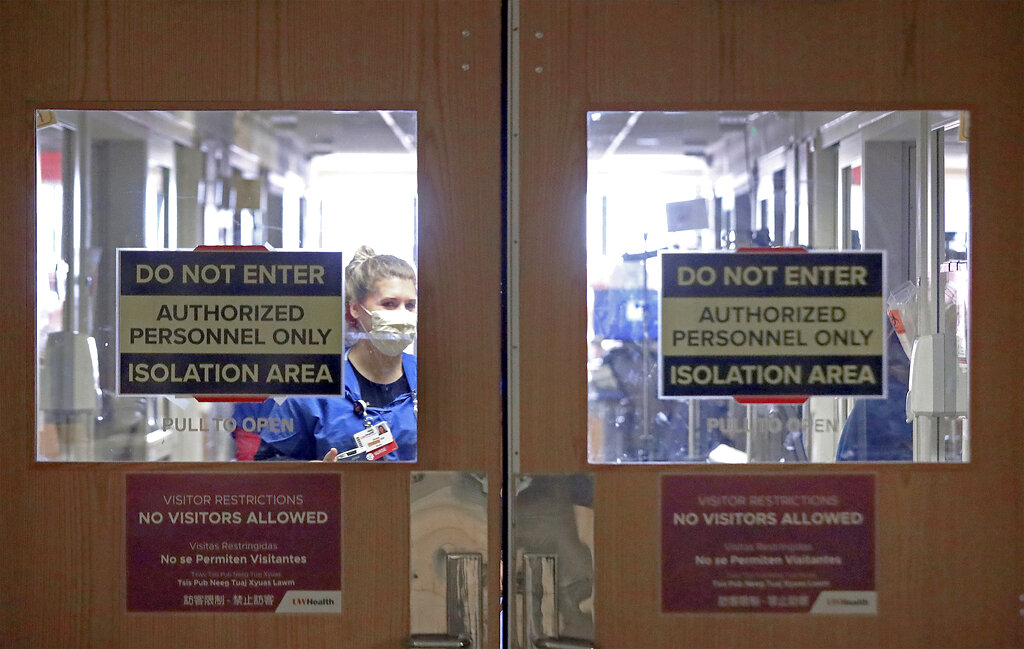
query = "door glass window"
x=811 y=183
x=224 y=182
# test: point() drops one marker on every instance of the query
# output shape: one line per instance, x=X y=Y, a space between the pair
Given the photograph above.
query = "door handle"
x=464 y=604
x=563 y=643
x=541 y=585
x=438 y=640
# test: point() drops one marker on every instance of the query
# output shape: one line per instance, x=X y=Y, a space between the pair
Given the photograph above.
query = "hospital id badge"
x=376 y=440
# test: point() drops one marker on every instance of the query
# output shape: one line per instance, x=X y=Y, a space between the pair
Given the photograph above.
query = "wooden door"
x=948 y=538
x=63 y=524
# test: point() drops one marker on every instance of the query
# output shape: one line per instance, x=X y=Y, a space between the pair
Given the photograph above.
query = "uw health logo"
x=302 y=601
x=310 y=601
x=846 y=602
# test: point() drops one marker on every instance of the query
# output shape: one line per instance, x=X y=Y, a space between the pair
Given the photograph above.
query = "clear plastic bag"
x=902 y=310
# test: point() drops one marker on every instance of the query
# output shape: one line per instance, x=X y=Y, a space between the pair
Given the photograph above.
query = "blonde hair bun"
x=367 y=268
x=362 y=254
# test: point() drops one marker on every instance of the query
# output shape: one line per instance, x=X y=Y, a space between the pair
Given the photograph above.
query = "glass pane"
x=292 y=182
x=662 y=183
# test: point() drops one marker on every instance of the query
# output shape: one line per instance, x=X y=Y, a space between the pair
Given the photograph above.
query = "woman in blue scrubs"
x=379 y=393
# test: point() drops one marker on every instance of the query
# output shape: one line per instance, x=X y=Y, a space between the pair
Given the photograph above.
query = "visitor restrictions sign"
x=768 y=544
x=233 y=543
x=772 y=323
x=230 y=322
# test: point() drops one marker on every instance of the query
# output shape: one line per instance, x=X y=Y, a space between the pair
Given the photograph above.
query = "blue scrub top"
x=877 y=429
x=322 y=423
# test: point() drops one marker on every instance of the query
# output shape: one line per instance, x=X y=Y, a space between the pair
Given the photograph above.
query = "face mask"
x=391 y=331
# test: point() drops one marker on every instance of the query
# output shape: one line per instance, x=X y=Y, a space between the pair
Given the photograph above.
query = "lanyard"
x=362 y=409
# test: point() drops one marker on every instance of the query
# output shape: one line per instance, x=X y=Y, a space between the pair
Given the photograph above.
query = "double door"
x=502 y=188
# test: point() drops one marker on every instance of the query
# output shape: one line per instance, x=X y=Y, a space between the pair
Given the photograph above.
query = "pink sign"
x=768 y=544
x=242 y=543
